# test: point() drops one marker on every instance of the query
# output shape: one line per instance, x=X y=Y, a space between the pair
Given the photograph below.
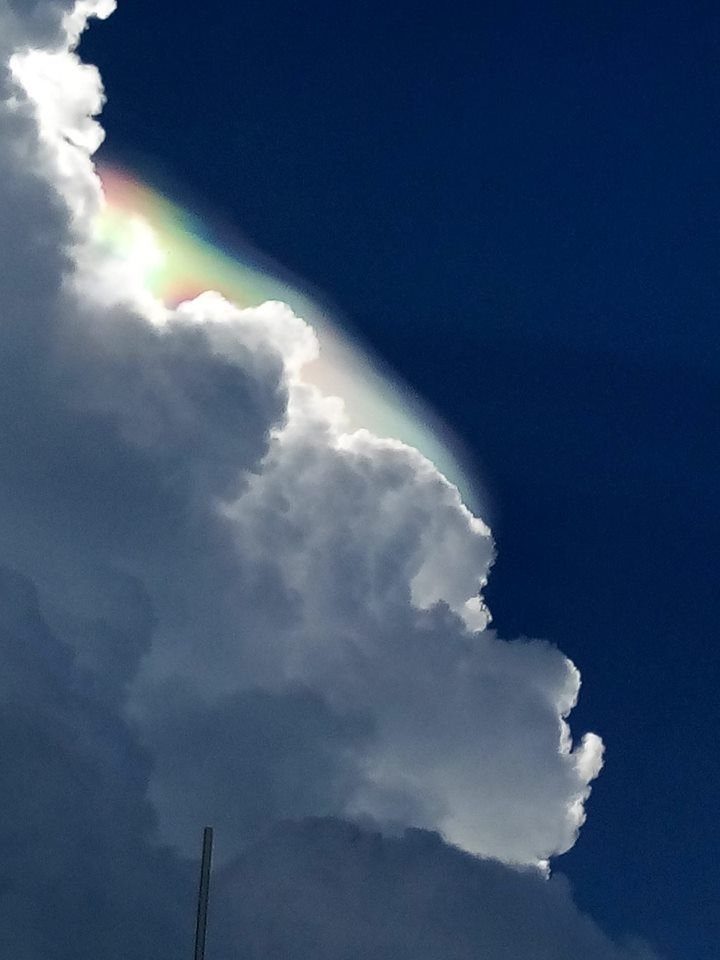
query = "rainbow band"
x=180 y=261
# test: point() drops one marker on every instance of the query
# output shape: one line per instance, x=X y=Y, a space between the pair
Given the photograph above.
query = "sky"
x=206 y=567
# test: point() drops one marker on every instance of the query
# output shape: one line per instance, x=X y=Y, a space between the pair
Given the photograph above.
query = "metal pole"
x=203 y=895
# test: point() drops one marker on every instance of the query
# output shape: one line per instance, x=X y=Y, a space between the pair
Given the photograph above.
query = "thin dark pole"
x=203 y=896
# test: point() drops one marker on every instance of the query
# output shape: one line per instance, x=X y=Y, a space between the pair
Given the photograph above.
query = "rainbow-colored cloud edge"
x=181 y=259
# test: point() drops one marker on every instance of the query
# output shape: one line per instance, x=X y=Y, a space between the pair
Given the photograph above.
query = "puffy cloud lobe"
x=228 y=581
x=470 y=725
x=182 y=450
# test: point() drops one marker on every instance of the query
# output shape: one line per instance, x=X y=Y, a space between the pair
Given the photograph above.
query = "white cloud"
x=276 y=548
x=291 y=608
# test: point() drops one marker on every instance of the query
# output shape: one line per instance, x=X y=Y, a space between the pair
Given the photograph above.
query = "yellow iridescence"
x=171 y=252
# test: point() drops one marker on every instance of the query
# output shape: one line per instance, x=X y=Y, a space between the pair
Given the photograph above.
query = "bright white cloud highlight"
x=277 y=551
x=219 y=604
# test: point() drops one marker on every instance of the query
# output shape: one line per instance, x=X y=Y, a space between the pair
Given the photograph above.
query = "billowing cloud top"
x=224 y=606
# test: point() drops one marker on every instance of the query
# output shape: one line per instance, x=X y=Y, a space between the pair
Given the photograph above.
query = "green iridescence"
x=185 y=261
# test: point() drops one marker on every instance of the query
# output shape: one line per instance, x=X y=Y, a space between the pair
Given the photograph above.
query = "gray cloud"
x=174 y=458
x=217 y=602
x=324 y=890
x=33 y=22
x=80 y=876
x=249 y=758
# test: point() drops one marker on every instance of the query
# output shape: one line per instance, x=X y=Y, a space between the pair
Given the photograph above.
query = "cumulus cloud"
x=76 y=825
x=224 y=605
x=323 y=889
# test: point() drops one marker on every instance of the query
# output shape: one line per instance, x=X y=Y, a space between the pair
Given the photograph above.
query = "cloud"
x=80 y=876
x=324 y=889
x=254 y=756
x=218 y=602
x=180 y=451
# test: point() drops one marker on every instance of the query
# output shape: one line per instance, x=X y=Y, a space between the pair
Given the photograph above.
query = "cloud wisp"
x=220 y=604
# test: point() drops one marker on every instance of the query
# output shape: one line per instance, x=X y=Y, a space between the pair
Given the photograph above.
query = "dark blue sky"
x=518 y=207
